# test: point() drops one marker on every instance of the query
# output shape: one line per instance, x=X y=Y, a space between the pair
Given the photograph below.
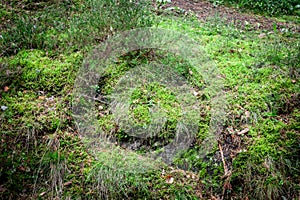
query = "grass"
x=43 y=155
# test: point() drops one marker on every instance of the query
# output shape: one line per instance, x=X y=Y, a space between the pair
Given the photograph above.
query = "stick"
x=243 y=131
x=223 y=160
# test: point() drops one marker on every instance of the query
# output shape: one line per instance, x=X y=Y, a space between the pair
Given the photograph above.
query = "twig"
x=223 y=160
x=227 y=173
x=243 y=131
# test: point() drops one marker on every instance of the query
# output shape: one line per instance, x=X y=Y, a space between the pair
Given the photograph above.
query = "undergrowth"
x=44 y=157
x=270 y=7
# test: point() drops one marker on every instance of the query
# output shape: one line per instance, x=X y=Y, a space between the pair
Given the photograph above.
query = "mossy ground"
x=42 y=154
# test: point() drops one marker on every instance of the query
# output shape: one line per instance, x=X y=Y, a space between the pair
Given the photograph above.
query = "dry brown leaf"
x=21 y=168
x=2 y=189
x=6 y=89
x=169 y=179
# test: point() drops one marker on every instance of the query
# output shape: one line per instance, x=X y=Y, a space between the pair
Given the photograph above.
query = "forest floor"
x=43 y=154
x=205 y=10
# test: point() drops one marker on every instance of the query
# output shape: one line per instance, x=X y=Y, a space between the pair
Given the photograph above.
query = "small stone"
x=4 y=108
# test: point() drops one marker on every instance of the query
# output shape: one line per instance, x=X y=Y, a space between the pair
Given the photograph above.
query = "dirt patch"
x=205 y=10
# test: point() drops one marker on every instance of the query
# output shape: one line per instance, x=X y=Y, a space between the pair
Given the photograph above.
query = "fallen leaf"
x=41 y=97
x=214 y=198
x=68 y=183
x=6 y=89
x=266 y=165
x=261 y=35
x=169 y=179
x=247 y=114
x=42 y=194
x=294 y=81
x=163 y=173
x=2 y=189
x=21 y=168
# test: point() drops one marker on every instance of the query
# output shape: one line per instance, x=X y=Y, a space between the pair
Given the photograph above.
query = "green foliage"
x=271 y=7
x=272 y=159
x=43 y=157
x=118 y=174
x=70 y=26
x=245 y=61
x=145 y=97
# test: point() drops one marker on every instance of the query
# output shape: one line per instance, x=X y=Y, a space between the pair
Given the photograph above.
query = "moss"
x=42 y=155
x=40 y=72
x=268 y=159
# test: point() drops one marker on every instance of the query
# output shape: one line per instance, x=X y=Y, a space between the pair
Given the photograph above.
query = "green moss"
x=145 y=97
x=42 y=155
x=269 y=160
x=40 y=72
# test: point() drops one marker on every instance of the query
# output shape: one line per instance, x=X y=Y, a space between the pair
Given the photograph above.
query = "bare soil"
x=205 y=10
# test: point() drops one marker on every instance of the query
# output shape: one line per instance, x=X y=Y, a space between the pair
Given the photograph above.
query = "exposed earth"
x=205 y=10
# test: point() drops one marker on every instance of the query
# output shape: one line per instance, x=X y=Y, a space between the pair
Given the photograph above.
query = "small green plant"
x=160 y=3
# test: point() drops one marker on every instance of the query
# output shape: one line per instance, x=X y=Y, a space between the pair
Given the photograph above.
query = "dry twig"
x=243 y=131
